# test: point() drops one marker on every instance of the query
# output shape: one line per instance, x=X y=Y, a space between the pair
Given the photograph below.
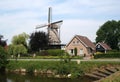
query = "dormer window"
x=98 y=46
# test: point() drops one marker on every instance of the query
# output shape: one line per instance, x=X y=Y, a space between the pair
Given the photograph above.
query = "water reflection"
x=12 y=77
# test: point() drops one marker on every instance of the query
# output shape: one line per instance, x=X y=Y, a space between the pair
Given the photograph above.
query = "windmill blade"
x=49 y=15
x=41 y=26
x=56 y=34
x=57 y=22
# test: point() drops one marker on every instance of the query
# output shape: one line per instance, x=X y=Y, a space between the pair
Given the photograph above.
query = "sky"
x=80 y=17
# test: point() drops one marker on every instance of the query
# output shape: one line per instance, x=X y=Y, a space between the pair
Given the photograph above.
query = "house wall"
x=99 y=48
x=81 y=49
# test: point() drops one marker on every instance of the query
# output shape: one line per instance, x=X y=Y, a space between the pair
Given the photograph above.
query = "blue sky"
x=80 y=17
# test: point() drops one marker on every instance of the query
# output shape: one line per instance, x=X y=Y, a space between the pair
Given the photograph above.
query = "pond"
x=13 y=77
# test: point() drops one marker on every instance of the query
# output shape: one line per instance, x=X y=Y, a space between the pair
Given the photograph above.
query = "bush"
x=63 y=68
x=108 y=55
x=31 y=68
x=51 y=52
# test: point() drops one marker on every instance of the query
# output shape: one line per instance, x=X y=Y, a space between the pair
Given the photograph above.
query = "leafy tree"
x=2 y=42
x=16 y=49
x=109 y=33
x=19 y=45
x=10 y=49
x=3 y=55
x=3 y=59
x=38 y=41
x=20 y=39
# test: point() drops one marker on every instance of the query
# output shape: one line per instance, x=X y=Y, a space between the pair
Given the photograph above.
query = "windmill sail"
x=53 y=29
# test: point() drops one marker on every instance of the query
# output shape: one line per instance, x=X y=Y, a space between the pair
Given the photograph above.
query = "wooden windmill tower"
x=53 y=29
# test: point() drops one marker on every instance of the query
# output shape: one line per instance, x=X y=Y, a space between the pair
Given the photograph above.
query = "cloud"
x=82 y=17
x=79 y=27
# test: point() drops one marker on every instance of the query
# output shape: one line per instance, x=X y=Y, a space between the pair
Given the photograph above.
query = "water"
x=12 y=77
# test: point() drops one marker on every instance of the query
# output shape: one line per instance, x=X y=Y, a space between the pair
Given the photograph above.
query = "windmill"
x=53 y=29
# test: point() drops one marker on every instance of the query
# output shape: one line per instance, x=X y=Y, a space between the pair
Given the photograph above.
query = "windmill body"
x=53 y=29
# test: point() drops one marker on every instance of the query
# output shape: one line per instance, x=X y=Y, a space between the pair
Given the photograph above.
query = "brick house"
x=83 y=45
x=102 y=47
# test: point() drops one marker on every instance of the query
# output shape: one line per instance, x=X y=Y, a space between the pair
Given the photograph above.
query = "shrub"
x=108 y=55
x=75 y=49
x=51 y=52
x=63 y=68
x=31 y=68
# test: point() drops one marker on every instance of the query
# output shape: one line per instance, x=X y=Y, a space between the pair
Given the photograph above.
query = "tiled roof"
x=104 y=45
x=86 y=41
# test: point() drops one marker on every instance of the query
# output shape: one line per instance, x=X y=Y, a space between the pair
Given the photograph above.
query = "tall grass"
x=60 y=67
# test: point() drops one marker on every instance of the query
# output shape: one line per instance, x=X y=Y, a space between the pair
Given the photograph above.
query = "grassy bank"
x=60 y=67
x=113 y=78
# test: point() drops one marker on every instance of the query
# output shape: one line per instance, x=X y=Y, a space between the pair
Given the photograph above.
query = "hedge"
x=108 y=55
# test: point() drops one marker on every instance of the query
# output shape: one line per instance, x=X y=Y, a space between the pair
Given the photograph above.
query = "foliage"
x=20 y=39
x=16 y=49
x=61 y=67
x=75 y=51
x=51 y=52
x=19 y=45
x=38 y=41
x=3 y=55
x=27 y=56
x=109 y=33
x=2 y=42
x=3 y=58
x=108 y=55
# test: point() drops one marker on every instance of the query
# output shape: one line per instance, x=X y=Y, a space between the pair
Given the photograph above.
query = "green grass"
x=60 y=66
x=89 y=66
x=48 y=57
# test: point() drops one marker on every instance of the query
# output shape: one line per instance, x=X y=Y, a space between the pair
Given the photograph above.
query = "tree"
x=3 y=54
x=75 y=51
x=3 y=59
x=38 y=41
x=19 y=45
x=109 y=33
x=16 y=49
x=20 y=39
x=2 y=42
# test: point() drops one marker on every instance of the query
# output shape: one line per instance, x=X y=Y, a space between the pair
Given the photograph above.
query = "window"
x=73 y=42
x=81 y=51
x=77 y=42
x=72 y=51
x=98 y=46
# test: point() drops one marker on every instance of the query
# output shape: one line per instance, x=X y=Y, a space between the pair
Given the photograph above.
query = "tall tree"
x=2 y=42
x=3 y=59
x=19 y=45
x=38 y=41
x=3 y=55
x=109 y=33
x=20 y=39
